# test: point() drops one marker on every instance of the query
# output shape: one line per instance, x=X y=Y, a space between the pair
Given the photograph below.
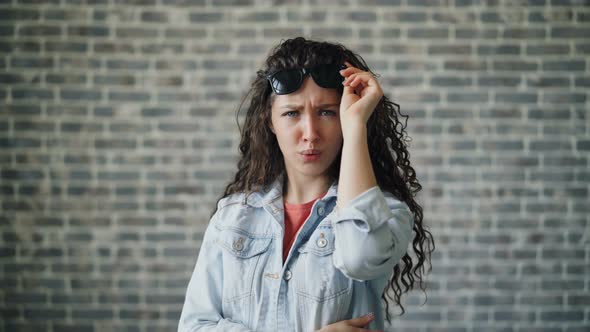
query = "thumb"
x=362 y=321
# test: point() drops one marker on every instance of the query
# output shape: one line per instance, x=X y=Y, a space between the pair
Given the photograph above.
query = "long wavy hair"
x=261 y=160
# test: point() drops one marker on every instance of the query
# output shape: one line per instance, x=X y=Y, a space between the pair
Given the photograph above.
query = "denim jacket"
x=336 y=269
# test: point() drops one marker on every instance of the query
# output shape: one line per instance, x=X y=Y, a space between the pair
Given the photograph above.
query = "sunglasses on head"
x=289 y=80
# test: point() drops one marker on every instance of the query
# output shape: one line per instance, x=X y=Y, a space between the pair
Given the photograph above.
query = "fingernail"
x=370 y=315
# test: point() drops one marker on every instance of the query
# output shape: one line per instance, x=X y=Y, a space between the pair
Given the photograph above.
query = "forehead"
x=315 y=96
x=285 y=100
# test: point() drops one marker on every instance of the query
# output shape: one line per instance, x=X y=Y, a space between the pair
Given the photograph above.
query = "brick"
x=476 y=33
x=93 y=314
x=43 y=30
x=77 y=94
x=72 y=15
x=524 y=33
x=498 y=81
x=450 y=81
x=515 y=65
x=306 y=16
x=467 y=65
x=18 y=14
x=380 y=2
x=44 y=313
x=499 y=50
x=20 y=46
x=570 y=32
x=405 y=16
x=87 y=31
x=428 y=33
x=548 y=49
x=317 y=33
x=33 y=62
x=154 y=16
x=555 y=15
x=561 y=316
x=569 y=65
x=133 y=32
x=129 y=96
x=73 y=327
x=232 y=2
x=450 y=49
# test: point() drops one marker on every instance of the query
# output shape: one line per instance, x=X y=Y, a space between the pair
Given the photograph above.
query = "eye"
x=328 y=112
x=290 y=114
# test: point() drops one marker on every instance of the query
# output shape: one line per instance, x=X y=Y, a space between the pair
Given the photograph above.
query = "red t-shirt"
x=295 y=215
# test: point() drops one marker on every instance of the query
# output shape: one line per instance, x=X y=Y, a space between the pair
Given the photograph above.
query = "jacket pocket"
x=317 y=279
x=242 y=261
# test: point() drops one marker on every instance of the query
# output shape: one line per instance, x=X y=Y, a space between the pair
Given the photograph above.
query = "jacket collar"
x=274 y=192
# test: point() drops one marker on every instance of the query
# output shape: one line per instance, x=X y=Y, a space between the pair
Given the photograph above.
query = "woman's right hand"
x=351 y=325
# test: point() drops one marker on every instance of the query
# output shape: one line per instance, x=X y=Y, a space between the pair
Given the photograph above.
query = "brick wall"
x=117 y=134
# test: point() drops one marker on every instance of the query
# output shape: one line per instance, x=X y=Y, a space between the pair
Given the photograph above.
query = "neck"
x=303 y=190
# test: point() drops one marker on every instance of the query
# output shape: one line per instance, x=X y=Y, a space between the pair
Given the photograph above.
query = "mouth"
x=310 y=152
x=311 y=155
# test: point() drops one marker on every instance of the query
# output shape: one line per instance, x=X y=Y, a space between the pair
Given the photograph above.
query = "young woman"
x=318 y=219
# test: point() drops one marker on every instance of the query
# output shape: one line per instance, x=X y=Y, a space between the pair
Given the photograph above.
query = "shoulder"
x=232 y=199
x=232 y=208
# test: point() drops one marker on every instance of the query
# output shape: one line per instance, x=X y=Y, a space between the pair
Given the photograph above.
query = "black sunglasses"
x=289 y=80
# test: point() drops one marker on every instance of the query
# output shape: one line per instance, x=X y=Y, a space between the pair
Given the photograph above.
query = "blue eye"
x=290 y=113
x=327 y=112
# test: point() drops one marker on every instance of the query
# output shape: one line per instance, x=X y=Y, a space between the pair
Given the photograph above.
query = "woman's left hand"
x=361 y=95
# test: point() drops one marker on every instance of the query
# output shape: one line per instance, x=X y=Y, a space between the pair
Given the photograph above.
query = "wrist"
x=354 y=131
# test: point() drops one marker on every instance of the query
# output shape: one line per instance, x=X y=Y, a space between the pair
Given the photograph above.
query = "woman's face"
x=307 y=126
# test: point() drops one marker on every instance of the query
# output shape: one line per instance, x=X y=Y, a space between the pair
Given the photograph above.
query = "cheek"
x=336 y=131
x=285 y=135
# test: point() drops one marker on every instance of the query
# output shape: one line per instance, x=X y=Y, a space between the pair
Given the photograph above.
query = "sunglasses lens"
x=328 y=76
x=286 y=81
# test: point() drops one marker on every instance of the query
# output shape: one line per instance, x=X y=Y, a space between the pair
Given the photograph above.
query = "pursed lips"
x=310 y=152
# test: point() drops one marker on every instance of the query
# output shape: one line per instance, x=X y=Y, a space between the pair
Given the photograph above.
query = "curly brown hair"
x=262 y=162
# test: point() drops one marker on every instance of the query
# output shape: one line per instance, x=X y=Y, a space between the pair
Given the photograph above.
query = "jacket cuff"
x=368 y=210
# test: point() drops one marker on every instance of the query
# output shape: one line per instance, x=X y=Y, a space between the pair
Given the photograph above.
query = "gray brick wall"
x=117 y=134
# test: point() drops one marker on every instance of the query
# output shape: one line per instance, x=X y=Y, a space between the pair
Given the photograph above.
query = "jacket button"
x=287 y=275
x=238 y=245
x=321 y=210
x=321 y=242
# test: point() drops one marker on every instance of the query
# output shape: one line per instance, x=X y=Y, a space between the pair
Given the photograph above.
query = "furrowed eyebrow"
x=296 y=107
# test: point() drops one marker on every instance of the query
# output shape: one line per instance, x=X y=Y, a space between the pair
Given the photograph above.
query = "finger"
x=348 y=79
x=348 y=90
x=356 y=81
x=366 y=81
x=356 y=76
x=362 y=75
x=350 y=68
x=348 y=71
x=359 y=84
x=361 y=321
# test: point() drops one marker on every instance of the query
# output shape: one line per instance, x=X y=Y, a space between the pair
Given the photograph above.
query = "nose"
x=310 y=129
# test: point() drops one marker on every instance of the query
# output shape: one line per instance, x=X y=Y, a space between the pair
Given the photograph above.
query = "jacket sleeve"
x=372 y=234
x=202 y=304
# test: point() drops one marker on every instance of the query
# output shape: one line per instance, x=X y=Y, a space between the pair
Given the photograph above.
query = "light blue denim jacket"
x=337 y=268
